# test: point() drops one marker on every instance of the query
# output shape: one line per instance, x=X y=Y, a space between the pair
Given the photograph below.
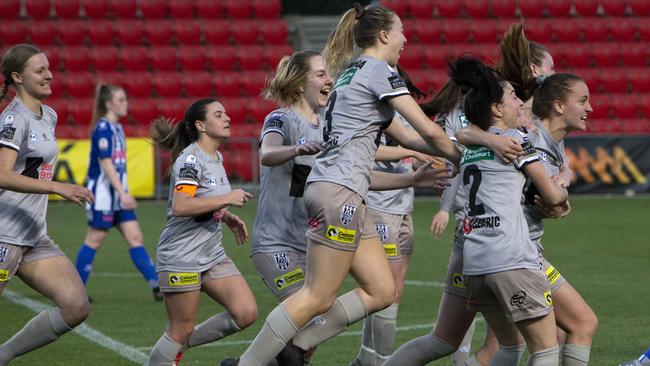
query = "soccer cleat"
x=229 y=362
x=177 y=360
x=291 y=355
x=631 y=363
x=157 y=295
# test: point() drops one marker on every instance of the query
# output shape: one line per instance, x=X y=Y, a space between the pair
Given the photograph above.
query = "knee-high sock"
x=144 y=264
x=420 y=351
x=366 y=355
x=384 y=323
x=575 y=355
x=347 y=309
x=278 y=329
x=164 y=352
x=42 y=329
x=545 y=357
x=84 y=261
x=214 y=328
x=508 y=355
x=462 y=354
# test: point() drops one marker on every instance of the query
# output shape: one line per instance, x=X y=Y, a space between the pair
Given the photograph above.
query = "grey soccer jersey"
x=193 y=244
x=552 y=155
x=282 y=218
x=356 y=113
x=32 y=136
x=396 y=201
x=496 y=234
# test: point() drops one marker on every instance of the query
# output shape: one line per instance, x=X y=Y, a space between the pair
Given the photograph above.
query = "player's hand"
x=506 y=148
x=550 y=211
x=237 y=197
x=74 y=193
x=427 y=177
x=127 y=202
x=557 y=179
x=439 y=223
x=308 y=148
x=237 y=226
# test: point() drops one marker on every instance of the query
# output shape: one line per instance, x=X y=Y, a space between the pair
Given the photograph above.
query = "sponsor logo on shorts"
x=341 y=235
x=289 y=278
x=4 y=275
x=347 y=211
x=457 y=280
x=391 y=250
x=548 y=298
x=489 y=222
x=518 y=299
x=182 y=279
x=382 y=230
x=282 y=261
x=3 y=253
x=313 y=223
x=552 y=274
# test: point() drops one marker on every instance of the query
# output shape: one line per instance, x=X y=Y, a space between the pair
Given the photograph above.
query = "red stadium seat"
x=173 y=107
x=400 y=7
x=449 y=8
x=74 y=58
x=273 y=31
x=606 y=54
x=436 y=57
x=52 y=54
x=163 y=58
x=273 y=55
x=10 y=9
x=253 y=82
x=104 y=58
x=531 y=8
x=455 y=30
x=558 y=8
x=228 y=84
x=427 y=31
x=129 y=32
x=484 y=31
x=159 y=32
x=237 y=8
x=592 y=77
x=80 y=85
x=209 y=9
x=216 y=32
x=566 y=30
x=622 y=29
x=100 y=33
x=422 y=8
x=60 y=106
x=249 y=57
x=266 y=9
x=412 y=57
x=626 y=105
x=578 y=54
x=236 y=110
x=95 y=9
x=644 y=31
x=245 y=32
x=123 y=8
x=58 y=89
x=68 y=9
x=504 y=8
x=13 y=32
x=143 y=110
x=539 y=30
x=600 y=105
x=110 y=78
x=42 y=33
x=595 y=30
x=477 y=8
x=640 y=7
x=586 y=8
x=167 y=84
x=153 y=9
x=221 y=58
x=198 y=84
x=603 y=126
x=137 y=84
x=73 y=32
x=614 y=81
x=187 y=32
x=37 y=9
x=192 y=58
x=640 y=81
x=615 y=7
x=644 y=100
x=260 y=109
x=181 y=9
x=636 y=126
x=634 y=54
x=134 y=58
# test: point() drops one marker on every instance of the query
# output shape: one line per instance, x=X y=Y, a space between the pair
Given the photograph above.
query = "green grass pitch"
x=602 y=248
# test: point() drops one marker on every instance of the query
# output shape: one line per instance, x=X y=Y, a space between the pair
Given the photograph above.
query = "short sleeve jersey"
x=356 y=113
x=282 y=218
x=32 y=137
x=107 y=141
x=552 y=155
x=193 y=243
x=495 y=230
x=396 y=201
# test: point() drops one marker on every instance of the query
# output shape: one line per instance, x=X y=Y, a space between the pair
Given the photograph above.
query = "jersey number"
x=473 y=172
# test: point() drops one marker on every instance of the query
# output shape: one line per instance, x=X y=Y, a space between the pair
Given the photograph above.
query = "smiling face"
x=395 y=40
x=576 y=108
x=318 y=83
x=217 y=122
x=35 y=79
x=510 y=107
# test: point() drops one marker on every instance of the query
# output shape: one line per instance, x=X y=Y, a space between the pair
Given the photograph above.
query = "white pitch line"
x=83 y=330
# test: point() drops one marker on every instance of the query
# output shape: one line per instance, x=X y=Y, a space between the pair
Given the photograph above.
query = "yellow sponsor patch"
x=341 y=235
x=391 y=250
x=548 y=297
x=289 y=278
x=457 y=280
x=182 y=279
x=4 y=275
x=552 y=274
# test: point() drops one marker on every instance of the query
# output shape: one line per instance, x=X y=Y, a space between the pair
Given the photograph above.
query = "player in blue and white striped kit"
x=107 y=179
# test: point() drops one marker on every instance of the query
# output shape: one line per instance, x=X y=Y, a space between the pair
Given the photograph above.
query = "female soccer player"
x=191 y=257
x=342 y=238
x=107 y=179
x=28 y=154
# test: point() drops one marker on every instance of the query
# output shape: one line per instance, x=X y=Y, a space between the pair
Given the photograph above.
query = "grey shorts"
x=555 y=278
x=12 y=256
x=455 y=281
x=338 y=216
x=172 y=281
x=395 y=233
x=520 y=293
x=283 y=271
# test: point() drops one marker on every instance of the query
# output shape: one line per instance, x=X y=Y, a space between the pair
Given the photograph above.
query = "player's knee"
x=75 y=311
x=134 y=239
x=588 y=323
x=399 y=290
x=245 y=315
x=181 y=331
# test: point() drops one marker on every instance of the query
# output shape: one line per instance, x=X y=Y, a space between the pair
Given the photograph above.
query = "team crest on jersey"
x=3 y=253
x=190 y=161
x=303 y=140
x=382 y=230
x=103 y=144
x=282 y=261
x=9 y=120
x=347 y=211
x=543 y=156
x=33 y=139
x=213 y=181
